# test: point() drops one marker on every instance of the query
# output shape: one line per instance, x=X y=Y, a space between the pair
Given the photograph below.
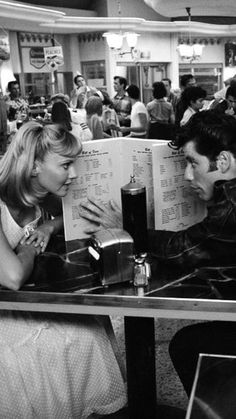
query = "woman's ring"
x=42 y=244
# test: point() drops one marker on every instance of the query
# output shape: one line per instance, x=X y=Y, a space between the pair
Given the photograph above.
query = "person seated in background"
x=138 y=118
x=209 y=146
x=193 y=97
x=187 y=80
x=15 y=103
x=78 y=113
x=121 y=101
x=61 y=115
x=79 y=81
x=94 y=110
x=228 y=105
x=161 y=114
x=171 y=97
x=57 y=97
x=69 y=356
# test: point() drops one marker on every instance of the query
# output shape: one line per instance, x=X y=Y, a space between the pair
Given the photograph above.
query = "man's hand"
x=229 y=111
x=101 y=216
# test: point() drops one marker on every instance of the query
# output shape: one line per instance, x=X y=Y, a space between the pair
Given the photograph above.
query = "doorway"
x=144 y=75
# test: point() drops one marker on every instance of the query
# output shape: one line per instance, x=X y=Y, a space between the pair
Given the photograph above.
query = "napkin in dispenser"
x=112 y=255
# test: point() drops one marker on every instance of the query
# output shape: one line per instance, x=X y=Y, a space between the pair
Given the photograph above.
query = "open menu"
x=104 y=166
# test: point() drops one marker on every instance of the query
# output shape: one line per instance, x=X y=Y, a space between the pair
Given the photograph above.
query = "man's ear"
x=224 y=161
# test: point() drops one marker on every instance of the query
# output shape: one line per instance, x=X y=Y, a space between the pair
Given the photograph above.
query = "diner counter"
x=64 y=281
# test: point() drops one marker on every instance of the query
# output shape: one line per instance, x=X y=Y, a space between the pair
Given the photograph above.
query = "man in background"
x=170 y=95
x=14 y=102
x=121 y=101
x=228 y=105
x=187 y=80
x=79 y=82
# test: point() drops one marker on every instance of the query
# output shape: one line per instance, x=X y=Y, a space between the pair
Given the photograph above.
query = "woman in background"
x=61 y=115
x=161 y=114
x=109 y=115
x=51 y=365
x=94 y=109
x=138 y=116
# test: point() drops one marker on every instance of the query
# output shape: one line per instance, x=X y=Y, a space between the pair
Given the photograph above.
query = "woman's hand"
x=22 y=248
x=39 y=237
x=101 y=216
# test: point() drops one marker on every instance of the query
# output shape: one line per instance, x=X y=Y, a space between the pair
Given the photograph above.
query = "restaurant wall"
x=92 y=49
x=153 y=47
x=34 y=65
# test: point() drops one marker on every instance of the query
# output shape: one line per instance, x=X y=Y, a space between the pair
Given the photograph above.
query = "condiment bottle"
x=134 y=212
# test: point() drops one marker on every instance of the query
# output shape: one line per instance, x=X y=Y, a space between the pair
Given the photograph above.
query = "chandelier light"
x=187 y=50
x=115 y=39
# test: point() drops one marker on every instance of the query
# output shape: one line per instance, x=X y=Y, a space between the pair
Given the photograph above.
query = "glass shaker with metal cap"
x=134 y=212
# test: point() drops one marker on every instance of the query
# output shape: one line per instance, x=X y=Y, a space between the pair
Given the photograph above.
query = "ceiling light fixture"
x=187 y=50
x=115 y=39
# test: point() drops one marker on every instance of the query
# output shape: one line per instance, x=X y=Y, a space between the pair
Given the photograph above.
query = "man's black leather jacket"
x=211 y=242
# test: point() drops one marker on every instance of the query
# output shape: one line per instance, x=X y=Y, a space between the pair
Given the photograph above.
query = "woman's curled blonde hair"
x=32 y=142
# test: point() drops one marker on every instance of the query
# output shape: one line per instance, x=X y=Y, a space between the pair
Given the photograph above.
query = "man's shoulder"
x=229 y=186
x=139 y=105
x=121 y=97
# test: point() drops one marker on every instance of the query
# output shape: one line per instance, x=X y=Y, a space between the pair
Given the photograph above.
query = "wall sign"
x=53 y=57
x=37 y=57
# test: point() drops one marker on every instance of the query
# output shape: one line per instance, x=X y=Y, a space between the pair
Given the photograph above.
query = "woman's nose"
x=72 y=172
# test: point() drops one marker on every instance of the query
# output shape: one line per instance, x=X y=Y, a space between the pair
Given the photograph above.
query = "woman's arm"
x=15 y=267
x=143 y=122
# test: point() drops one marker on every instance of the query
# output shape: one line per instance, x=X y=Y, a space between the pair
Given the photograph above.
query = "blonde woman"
x=51 y=365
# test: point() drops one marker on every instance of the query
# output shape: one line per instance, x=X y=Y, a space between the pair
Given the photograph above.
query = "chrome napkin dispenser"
x=112 y=255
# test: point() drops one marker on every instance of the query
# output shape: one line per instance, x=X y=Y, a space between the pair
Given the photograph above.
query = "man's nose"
x=188 y=174
x=72 y=172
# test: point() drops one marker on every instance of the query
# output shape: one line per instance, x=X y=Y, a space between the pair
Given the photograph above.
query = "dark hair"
x=106 y=99
x=167 y=79
x=61 y=115
x=133 y=91
x=122 y=80
x=158 y=90
x=211 y=132
x=185 y=79
x=11 y=83
x=231 y=91
x=192 y=94
x=78 y=75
